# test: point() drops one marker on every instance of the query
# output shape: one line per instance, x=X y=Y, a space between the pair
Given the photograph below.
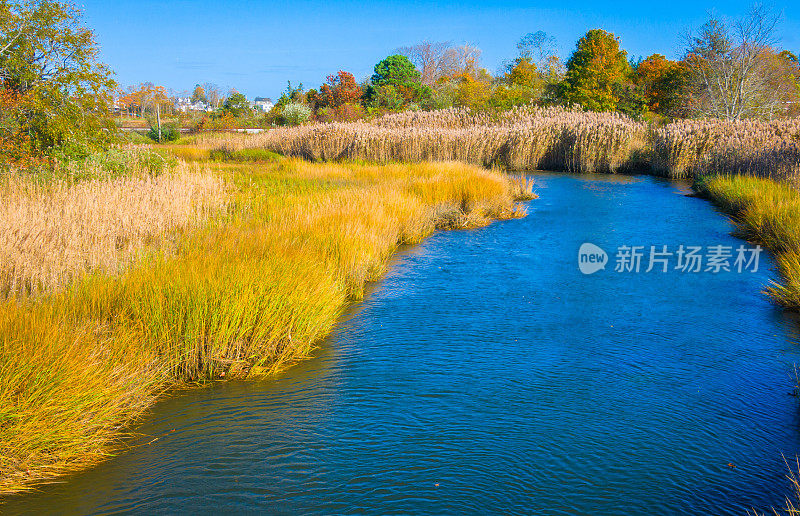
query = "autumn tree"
x=598 y=73
x=521 y=84
x=146 y=96
x=199 y=94
x=49 y=65
x=784 y=76
x=474 y=90
x=339 y=89
x=14 y=139
x=663 y=82
x=734 y=72
x=523 y=73
x=533 y=75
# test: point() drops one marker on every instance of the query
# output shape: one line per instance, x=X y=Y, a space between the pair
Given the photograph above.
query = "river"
x=485 y=373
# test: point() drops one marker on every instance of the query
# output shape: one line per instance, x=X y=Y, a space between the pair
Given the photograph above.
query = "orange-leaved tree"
x=663 y=82
x=138 y=99
x=339 y=89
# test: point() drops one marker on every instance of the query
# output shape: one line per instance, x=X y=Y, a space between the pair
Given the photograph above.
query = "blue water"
x=486 y=374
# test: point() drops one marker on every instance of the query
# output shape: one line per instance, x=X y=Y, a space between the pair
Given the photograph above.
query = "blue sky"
x=255 y=46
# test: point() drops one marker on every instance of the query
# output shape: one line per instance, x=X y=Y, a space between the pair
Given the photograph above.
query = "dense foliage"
x=597 y=73
x=237 y=105
x=54 y=93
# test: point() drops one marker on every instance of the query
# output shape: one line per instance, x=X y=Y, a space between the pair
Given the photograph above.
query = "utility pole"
x=158 y=120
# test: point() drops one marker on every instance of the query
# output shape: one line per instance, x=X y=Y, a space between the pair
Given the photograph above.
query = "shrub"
x=168 y=134
x=343 y=113
x=296 y=113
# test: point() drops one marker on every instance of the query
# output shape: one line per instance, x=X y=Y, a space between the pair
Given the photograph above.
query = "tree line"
x=56 y=97
x=729 y=69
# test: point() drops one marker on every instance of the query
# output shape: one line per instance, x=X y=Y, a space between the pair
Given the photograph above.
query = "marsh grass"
x=52 y=232
x=248 y=292
x=529 y=138
x=767 y=212
x=520 y=139
x=243 y=155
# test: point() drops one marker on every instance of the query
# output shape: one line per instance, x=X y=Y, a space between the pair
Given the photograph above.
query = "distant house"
x=263 y=104
x=185 y=104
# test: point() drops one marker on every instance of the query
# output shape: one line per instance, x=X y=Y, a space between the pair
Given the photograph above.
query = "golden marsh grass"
x=250 y=290
x=768 y=212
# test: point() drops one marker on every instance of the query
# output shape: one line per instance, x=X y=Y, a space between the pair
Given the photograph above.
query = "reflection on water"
x=486 y=374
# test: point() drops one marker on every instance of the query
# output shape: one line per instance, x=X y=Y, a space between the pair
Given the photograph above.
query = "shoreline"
x=296 y=248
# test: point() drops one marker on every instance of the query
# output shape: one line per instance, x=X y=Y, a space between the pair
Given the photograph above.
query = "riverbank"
x=767 y=212
x=755 y=165
x=467 y=360
x=243 y=286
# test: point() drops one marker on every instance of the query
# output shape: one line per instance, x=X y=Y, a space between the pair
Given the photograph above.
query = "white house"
x=184 y=104
x=263 y=104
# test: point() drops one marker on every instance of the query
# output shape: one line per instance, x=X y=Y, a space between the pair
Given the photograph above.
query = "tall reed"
x=520 y=139
x=691 y=148
x=51 y=232
x=529 y=138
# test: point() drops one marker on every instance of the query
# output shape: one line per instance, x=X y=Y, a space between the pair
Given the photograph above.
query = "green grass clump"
x=768 y=212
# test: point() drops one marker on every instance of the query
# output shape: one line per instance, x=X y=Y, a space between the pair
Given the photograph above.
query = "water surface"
x=486 y=374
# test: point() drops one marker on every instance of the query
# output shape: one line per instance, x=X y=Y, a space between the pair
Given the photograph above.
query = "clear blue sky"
x=257 y=45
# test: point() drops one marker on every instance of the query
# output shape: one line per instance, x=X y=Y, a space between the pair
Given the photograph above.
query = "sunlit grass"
x=250 y=290
x=54 y=231
x=768 y=212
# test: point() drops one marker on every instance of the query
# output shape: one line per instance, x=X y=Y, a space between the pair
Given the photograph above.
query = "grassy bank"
x=767 y=212
x=245 y=272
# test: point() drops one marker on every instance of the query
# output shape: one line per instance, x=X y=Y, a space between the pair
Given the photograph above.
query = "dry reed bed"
x=521 y=139
x=690 y=148
x=244 y=295
x=531 y=138
x=52 y=232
